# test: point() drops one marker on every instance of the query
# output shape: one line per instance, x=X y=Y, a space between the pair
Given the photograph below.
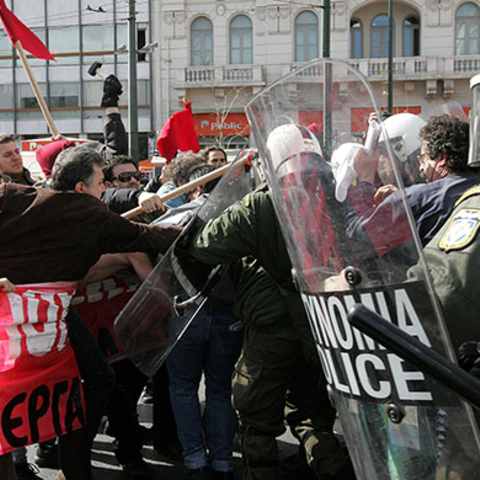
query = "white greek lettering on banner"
x=39 y=318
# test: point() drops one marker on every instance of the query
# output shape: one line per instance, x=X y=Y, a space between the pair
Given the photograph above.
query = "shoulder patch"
x=461 y=231
x=469 y=193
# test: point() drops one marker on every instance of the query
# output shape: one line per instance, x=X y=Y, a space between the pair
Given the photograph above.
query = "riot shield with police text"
x=337 y=179
x=167 y=302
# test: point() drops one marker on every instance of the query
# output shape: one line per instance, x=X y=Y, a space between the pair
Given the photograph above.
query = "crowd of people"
x=71 y=262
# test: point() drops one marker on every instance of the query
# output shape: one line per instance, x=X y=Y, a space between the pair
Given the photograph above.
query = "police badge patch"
x=461 y=231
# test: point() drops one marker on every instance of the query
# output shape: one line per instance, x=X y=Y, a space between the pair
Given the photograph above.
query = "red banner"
x=40 y=386
x=312 y=119
x=359 y=122
x=99 y=304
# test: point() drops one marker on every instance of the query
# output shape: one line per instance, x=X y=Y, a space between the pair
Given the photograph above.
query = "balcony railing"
x=199 y=75
x=407 y=68
x=223 y=75
x=470 y=65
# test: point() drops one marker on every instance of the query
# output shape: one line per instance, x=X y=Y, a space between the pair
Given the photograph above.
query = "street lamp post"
x=132 y=83
x=327 y=81
x=390 y=57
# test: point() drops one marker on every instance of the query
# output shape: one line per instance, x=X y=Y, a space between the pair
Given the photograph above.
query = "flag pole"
x=36 y=90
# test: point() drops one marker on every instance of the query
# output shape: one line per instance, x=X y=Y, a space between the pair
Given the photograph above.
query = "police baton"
x=415 y=352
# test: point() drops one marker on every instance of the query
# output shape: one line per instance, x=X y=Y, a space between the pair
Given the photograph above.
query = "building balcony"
x=408 y=68
x=220 y=76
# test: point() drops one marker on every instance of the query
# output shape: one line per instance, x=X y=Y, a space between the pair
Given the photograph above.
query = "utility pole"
x=132 y=83
x=327 y=81
x=390 y=57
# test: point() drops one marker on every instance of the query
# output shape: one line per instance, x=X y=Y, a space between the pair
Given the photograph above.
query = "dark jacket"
x=114 y=135
x=48 y=236
x=431 y=204
x=120 y=200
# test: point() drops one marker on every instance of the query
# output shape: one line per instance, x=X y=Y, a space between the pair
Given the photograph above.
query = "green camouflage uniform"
x=278 y=374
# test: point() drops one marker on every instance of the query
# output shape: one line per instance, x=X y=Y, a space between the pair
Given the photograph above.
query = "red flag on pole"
x=178 y=134
x=17 y=31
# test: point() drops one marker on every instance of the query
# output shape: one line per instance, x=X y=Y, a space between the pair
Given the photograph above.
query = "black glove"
x=469 y=355
x=112 y=89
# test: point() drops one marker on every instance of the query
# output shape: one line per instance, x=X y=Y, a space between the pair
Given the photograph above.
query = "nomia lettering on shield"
x=354 y=363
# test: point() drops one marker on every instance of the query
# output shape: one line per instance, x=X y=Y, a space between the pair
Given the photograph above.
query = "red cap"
x=47 y=155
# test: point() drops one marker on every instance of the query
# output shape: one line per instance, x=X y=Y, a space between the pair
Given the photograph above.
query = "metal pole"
x=390 y=57
x=326 y=29
x=132 y=83
x=327 y=105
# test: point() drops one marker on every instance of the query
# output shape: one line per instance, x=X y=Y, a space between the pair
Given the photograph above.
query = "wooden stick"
x=189 y=186
x=36 y=89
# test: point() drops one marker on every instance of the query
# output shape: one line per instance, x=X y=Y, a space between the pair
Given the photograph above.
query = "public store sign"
x=211 y=125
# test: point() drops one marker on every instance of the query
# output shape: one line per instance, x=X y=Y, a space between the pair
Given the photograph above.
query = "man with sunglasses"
x=122 y=172
x=124 y=190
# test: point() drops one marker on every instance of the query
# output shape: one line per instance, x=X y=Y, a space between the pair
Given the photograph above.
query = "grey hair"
x=74 y=165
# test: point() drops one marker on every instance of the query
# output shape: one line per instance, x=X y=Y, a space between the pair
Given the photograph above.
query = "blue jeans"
x=208 y=346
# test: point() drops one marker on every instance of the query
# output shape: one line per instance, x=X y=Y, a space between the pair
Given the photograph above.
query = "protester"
x=124 y=191
x=11 y=162
x=114 y=132
x=180 y=168
x=443 y=162
x=59 y=236
x=6 y=285
x=215 y=156
x=47 y=154
x=210 y=346
x=122 y=172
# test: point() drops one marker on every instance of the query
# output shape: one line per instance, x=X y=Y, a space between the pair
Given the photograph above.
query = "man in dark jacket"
x=56 y=236
x=443 y=161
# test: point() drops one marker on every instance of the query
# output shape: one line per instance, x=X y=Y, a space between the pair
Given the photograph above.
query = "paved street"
x=106 y=467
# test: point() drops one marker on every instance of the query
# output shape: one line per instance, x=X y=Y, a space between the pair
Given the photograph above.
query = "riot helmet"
x=287 y=144
x=402 y=132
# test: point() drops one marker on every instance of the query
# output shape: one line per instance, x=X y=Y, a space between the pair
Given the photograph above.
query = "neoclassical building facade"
x=219 y=53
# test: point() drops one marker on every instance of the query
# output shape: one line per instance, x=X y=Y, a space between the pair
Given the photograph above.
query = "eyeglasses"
x=126 y=176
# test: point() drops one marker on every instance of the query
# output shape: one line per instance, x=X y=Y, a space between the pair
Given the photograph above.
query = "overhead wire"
x=73 y=14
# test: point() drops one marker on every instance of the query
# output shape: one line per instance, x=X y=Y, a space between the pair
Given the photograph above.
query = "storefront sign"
x=211 y=125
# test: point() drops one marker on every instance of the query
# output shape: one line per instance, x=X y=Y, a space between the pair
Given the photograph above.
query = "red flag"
x=178 y=134
x=16 y=30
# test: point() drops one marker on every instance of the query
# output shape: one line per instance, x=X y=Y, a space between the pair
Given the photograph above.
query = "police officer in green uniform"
x=278 y=374
x=453 y=258
x=453 y=255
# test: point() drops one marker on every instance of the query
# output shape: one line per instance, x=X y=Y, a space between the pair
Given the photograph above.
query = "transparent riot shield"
x=349 y=245
x=167 y=302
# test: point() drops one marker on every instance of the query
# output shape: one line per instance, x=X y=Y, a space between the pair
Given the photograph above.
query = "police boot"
x=260 y=455
x=296 y=466
x=345 y=473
